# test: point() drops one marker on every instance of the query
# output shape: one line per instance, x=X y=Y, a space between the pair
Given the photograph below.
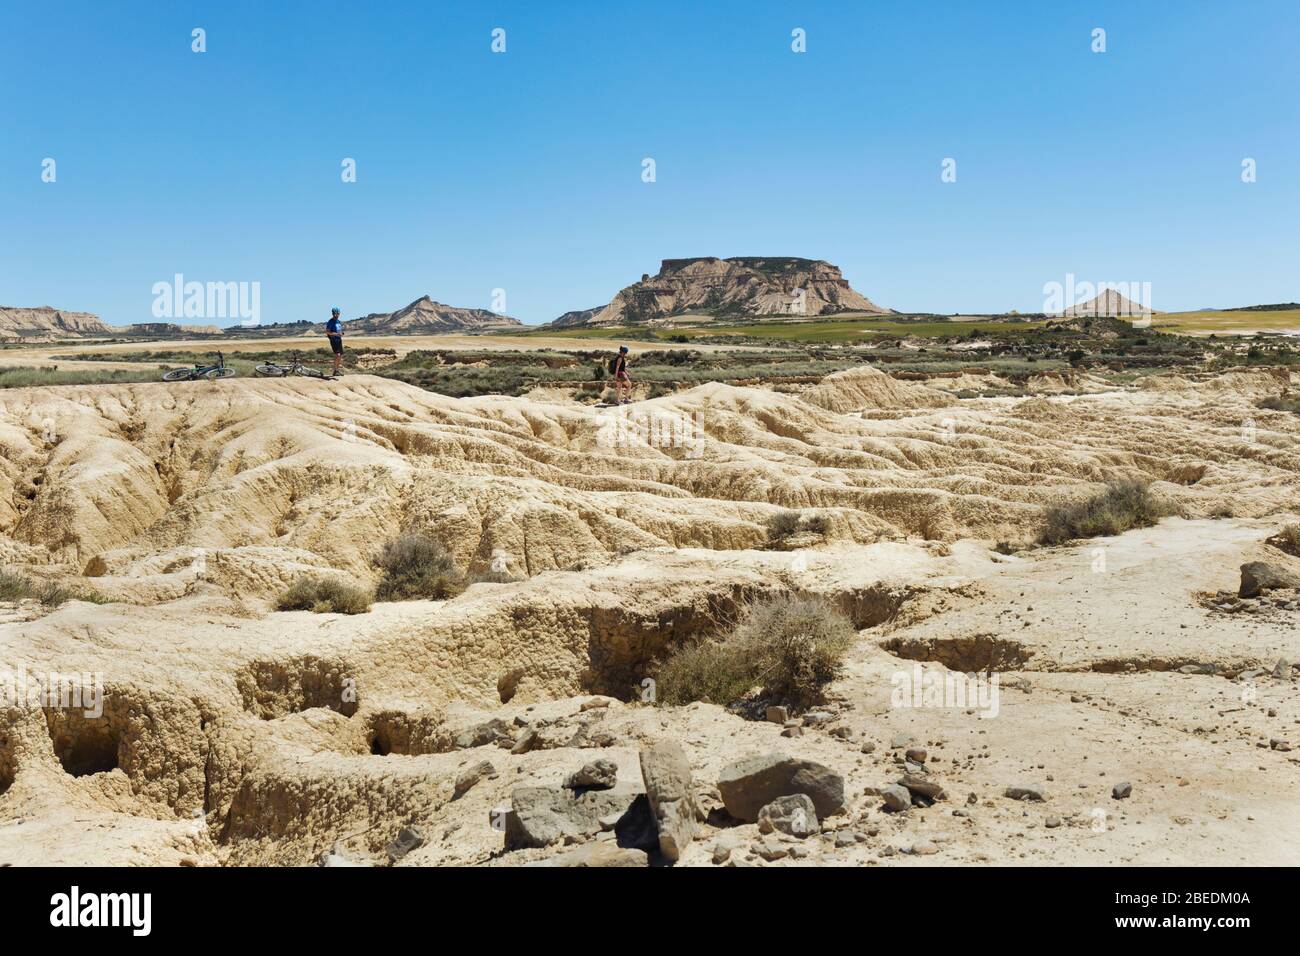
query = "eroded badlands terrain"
x=235 y=734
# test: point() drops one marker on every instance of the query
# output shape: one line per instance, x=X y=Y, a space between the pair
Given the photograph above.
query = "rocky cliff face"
x=44 y=320
x=741 y=287
x=426 y=316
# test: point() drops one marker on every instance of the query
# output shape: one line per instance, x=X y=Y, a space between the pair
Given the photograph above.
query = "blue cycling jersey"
x=334 y=327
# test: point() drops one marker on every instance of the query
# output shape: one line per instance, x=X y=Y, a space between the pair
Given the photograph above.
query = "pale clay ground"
x=191 y=506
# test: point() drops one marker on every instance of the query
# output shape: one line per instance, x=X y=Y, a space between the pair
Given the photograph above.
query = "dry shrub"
x=415 y=566
x=1287 y=540
x=324 y=595
x=791 y=647
x=15 y=587
x=785 y=523
x=1120 y=506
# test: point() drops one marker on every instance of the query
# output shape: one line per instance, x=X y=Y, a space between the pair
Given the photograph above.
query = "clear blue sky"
x=523 y=170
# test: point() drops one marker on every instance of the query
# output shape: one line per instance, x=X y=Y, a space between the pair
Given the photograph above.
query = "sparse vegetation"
x=790 y=647
x=324 y=595
x=783 y=524
x=416 y=567
x=1281 y=403
x=1123 y=504
x=16 y=587
x=1287 y=540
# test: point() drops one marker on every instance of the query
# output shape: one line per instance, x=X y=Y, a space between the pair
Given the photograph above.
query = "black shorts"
x=336 y=343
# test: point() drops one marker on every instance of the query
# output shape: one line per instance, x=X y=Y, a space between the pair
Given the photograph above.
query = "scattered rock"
x=897 y=798
x=917 y=754
x=898 y=741
x=667 y=774
x=922 y=786
x=923 y=848
x=601 y=774
x=1026 y=792
x=1121 y=791
x=1052 y=822
x=527 y=741
x=408 y=838
x=793 y=814
x=1260 y=576
x=596 y=703
x=472 y=775
x=489 y=732
x=778 y=714
x=1278 y=744
x=597 y=854
x=1282 y=669
x=749 y=784
x=769 y=849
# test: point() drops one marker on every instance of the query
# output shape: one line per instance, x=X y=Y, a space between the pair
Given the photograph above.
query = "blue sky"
x=522 y=170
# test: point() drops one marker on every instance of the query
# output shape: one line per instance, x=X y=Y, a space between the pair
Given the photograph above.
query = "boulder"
x=666 y=771
x=540 y=816
x=749 y=784
x=794 y=815
x=1260 y=576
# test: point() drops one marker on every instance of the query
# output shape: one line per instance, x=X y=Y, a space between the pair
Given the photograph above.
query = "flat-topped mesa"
x=45 y=320
x=424 y=315
x=743 y=286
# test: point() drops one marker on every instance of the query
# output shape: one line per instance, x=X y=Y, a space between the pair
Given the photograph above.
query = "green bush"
x=791 y=647
x=415 y=566
x=324 y=595
x=1120 y=506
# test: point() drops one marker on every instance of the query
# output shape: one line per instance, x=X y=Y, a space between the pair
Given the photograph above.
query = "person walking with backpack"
x=334 y=329
x=622 y=381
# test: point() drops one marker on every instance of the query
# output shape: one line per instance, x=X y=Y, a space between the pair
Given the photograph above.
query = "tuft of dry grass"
x=1122 y=505
x=324 y=595
x=1287 y=540
x=15 y=587
x=416 y=567
x=790 y=647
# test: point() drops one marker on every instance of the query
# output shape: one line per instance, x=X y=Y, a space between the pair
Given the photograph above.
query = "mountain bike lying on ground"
x=295 y=367
x=209 y=372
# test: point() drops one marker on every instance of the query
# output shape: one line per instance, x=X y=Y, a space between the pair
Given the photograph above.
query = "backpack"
x=613 y=365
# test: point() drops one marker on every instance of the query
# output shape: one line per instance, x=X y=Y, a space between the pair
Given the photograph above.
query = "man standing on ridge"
x=334 y=329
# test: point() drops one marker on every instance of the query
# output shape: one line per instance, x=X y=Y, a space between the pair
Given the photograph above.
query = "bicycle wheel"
x=215 y=373
x=306 y=372
x=178 y=375
x=269 y=370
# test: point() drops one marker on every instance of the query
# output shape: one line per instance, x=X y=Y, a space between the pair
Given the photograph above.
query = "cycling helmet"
x=622 y=348
x=334 y=311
